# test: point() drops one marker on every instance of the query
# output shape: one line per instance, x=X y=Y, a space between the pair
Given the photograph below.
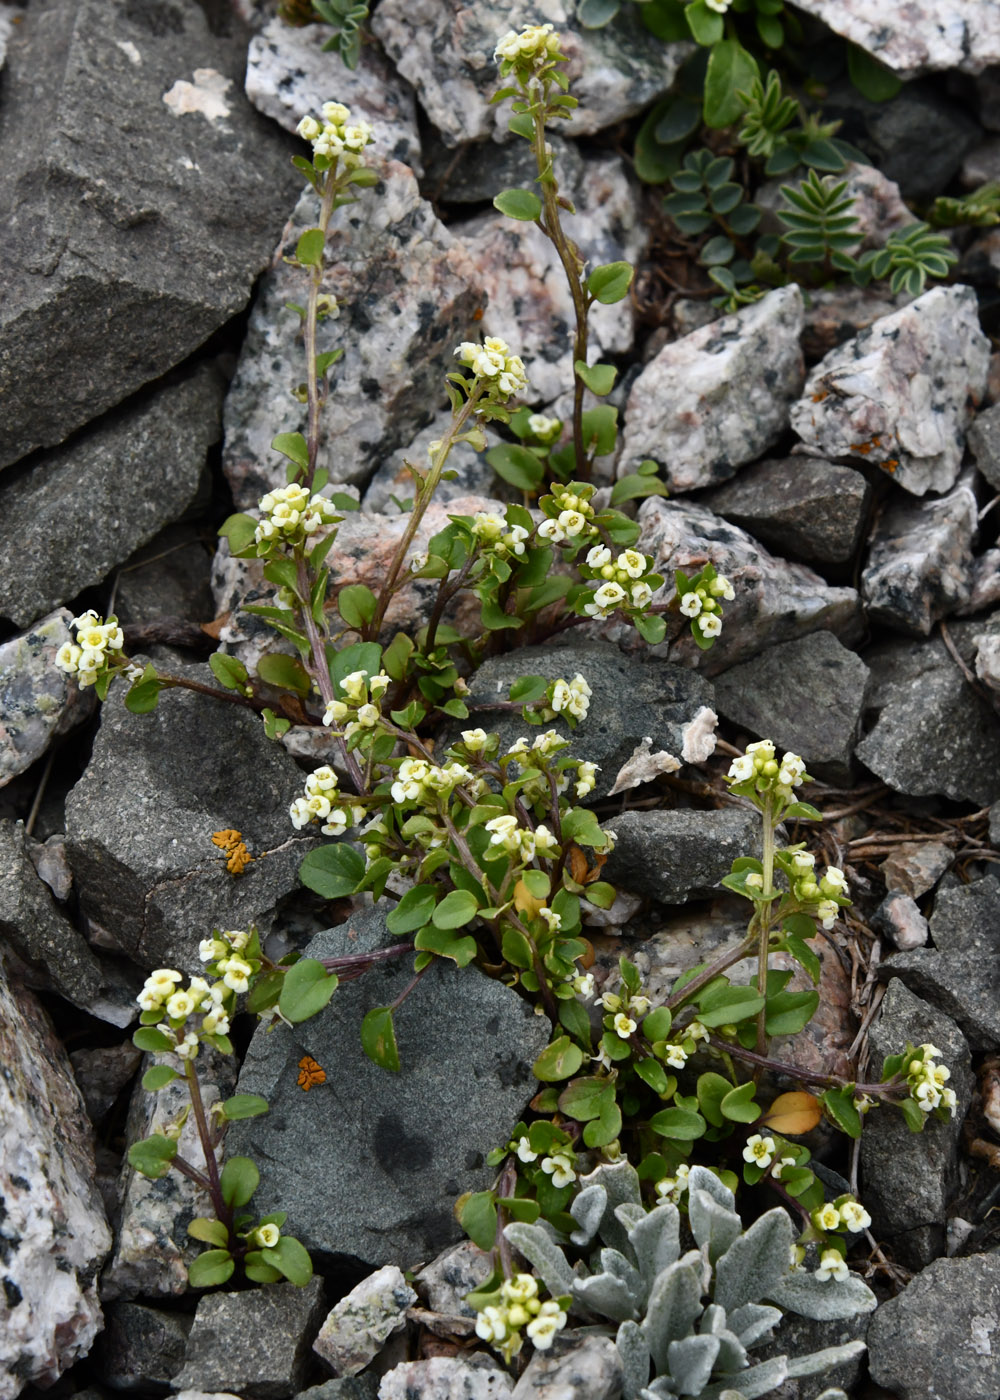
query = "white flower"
x=321 y=780
x=188 y=1047
x=598 y=556
x=560 y=1168
x=632 y=563
x=535 y=43
x=335 y=713
x=474 y=739
x=586 y=778
x=690 y=605
x=523 y=1150
x=504 y=832
x=827 y=1217
x=803 y=862
x=237 y=975
x=180 y=1005
x=491 y=1325
x=831 y=1262
x=542 y=1330
x=778 y=1169
x=676 y=1056
x=741 y=769
x=353 y=686
x=336 y=823
x=826 y=912
x=572 y=522
x=267 y=1236
x=216 y=1023
x=550 y=916
x=760 y=1150
x=721 y=588
x=855 y=1217
x=545 y=428
x=584 y=986
x=211 y=948
x=519 y=1289
x=624 y=1025
x=719 y=6
x=763 y=747
x=642 y=595
x=710 y=624
x=551 y=530
x=67 y=658
x=834 y=882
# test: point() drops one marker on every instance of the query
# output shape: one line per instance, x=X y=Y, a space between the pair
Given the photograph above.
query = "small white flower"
x=778 y=1169
x=690 y=605
x=237 y=975
x=741 y=769
x=721 y=588
x=676 y=1056
x=267 y=1236
x=543 y=1329
x=551 y=530
x=855 y=1217
x=827 y=1217
x=624 y=1026
x=180 y=1005
x=491 y=1325
x=523 y=1150
x=834 y=882
x=710 y=624
x=560 y=1168
x=831 y=1265
x=803 y=862
x=584 y=986
x=826 y=912
x=598 y=556
x=760 y=1150
x=188 y=1047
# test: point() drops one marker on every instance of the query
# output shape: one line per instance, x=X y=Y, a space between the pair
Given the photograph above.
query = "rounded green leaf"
x=378 y=1038
x=680 y=1123
x=244 y=1106
x=559 y=1060
x=240 y=1179
x=445 y=943
x=731 y=70
x=519 y=204
x=356 y=604
x=293 y=446
x=239 y=530
x=599 y=379
x=308 y=987
x=228 y=670
x=595 y=14
x=656 y=1026
x=291 y=1258
x=157 y=1077
x=739 y=1106
x=210 y=1269
x=517 y=465
x=477 y=1215
x=456 y=910
x=610 y=282
x=584 y=1099
x=309 y=249
x=156 y=1042
x=333 y=871
x=152 y=1157
x=706 y=26
x=413 y=910
x=284 y=673
x=209 y=1231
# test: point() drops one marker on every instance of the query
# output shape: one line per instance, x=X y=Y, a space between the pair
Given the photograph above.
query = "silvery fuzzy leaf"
x=712 y=1224
x=656 y=1241
x=752 y=1266
x=605 y=1294
x=545 y=1256
x=701 y=1179
x=754 y=1321
x=832 y=1394
x=758 y=1380
x=732 y=1353
x=629 y=1214
x=824 y=1300
x=634 y=1352
x=614 y=1263
x=660 y=1389
x=587 y=1209
x=674 y=1304
x=691 y=1361
x=824 y=1360
x=621 y=1181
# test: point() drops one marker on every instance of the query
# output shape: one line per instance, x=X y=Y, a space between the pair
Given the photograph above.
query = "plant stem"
x=713 y=970
x=222 y=1211
x=763 y=919
x=312 y=379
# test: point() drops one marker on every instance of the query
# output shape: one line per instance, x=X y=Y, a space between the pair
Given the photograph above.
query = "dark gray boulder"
x=141 y=1347
x=984 y=443
x=679 y=855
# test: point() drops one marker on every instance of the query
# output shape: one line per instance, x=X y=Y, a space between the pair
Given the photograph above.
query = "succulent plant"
x=691 y=1318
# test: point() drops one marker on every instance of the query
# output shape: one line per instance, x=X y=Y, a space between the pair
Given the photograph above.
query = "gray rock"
x=474 y=475
x=152 y=1249
x=804 y=508
x=984 y=584
x=407 y=290
x=984 y=443
x=916 y=38
x=473 y=174
x=836 y=314
x=445 y=1281
x=169 y=577
x=577 y=1365
x=899 y=917
x=466 y=1045
x=776 y=601
x=807 y=695
x=938 y=1337
x=55 y=1235
x=961 y=973
x=139 y=825
x=142 y=1347
x=355 y=1331
x=346 y=1388
x=801 y=1336
x=87 y=505
x=9 y=16
x=988 y=656
x=981 y=165
x=919 y=564
x=898 y=395
x=290 y=77
x=255 y=1342
x=470 y=1377
x=631 y=699
x=932 y=732
x=915 y=869
x=102 y=1074
x=679 y=855
x=908 y=1179
x=49 y=859
x=720 y=397
x=446 y=52
x=151 y=215
x=38 y=703
x=980 y=263
x=994 y=827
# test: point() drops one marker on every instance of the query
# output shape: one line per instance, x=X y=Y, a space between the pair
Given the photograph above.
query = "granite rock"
x=915 y=869
x=899 y=917
x=921 y=37
x=466 y=1045
x=932 y=733
x=471 y=1377
x=836 y=314
x=54 y=1231
x=473 y=474
x=807 y=695
x=804 y=508
x=919 y=562
x=445 y=1281
x=407 y=291
x=578 y=1364
x=718 y=398
x=255 y=1342
x=357 y=1328
x=938 y=1337
x=102 y=1073
x=984 y=443
x=142 y=1347
x=136 y=228
x=38 y=703
x=88 y=504
x=987 y=644
x=473 y=174
x=899 y=394
x=798 y=1336
x=984 y=583
x=139 y=826
x=445 y=49
x=679 y=855
x=289 y=77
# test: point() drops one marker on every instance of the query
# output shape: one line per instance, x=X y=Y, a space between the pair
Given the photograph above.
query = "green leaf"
x=656 y=1026
x=284 y=673
x=610 y=282
x=143 y=695
x=456 y=910
x=153 y=1155
x=682 y=1124
x=739 y=1106
x=228 y=671
x=871 y=78
x=771 y=31
x=790 y=1012
x=477 y=1215
x=291 y=1258
x=244 y=1106
x=309 y=249
x=156 y=1042
x=413 y=910
x=706 y=26
x=680 y=119
x=717 y=251
x=595 y=14
x=265 y=991
x=802 y=811
x=209 y=1231
x=211 y=1268
x=293 y=446
x=600 y=429
x=519 y=204
x=239 y=530
x=445 y=944
x=599 y=379
x=634 y=486
x=517 y=465
x=651 y=629
x=712 y=1089
x=378 y=1038
x=839 y=1104
x=257 y=1272
x=584 y=1099
x=333 y=871
x=654 y=1075
x=357 y=605
x=308 y=987
x=559 y=1060
x=158 y=1077
x=528 y=688
x=324 y=362
x=240 y=1179
x=665 y=19
x=359 y=656
x=723 y=1005
x=573 y=1017
x=731 y=69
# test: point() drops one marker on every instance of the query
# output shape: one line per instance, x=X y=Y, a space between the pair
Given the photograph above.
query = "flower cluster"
x=360 y=710
x=628 y=580
x=928 y=1082
x=321 y=804
x=759 y=767
x=290 y=514
x=845 y=1213
x=98 y=645
x=230 y=954
x=534 y=47
x=568 y=698
x=337 y=137
x=524 y=845
x=671 y=1188
x=167 y=1005
x=494 y=532
x=420 y=782
x=499 y=373
x=519 y=1307
x=827 y=894
x=700 y=600
x=569 y=515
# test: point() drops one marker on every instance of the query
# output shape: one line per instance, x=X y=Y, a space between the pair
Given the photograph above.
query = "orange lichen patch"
x=818 y=398
x=889 y=465
x=231 y=843
x=310 y=1074
x=863 y=447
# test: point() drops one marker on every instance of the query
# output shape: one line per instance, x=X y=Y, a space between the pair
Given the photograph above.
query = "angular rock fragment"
x=150 y=215
x=355 y=1331
x=54 y=1232
x=984 y=584
x=915 y=869
x=899 y=394
x=577 y=1364
x=168 y=578
x=103 y=1073
x=142 y=1347
x=38 y=702
x=472 y=1377
x=720 y=397
x=87 y=505
x=984 y=443
x=407 y=291
x=919 y=563
x=446 y=51
x=803 y=508
x=899 y=917
x=837 y=314
x=679 y=855
x=923 y=37
x=445 y=1281
x=382 y=1183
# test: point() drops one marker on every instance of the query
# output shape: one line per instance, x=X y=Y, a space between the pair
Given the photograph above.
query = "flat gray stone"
x=382 y=1182
x=984 y=443
x=919 y=565
x=169 y=577
x=961 y=974
x=255 y=1342
x=802 y=508
x=474 y=1376
x=939 y=1336
x=88 y=504
x=720 y=397
x=808 y=695
x=898 y=395
x=139 y=826
x=923 y=37
x=346 y=1388
x=909 y=1179
x=356 y=1329
x=136 y=228
x=578 y=1364
x=914 y=869
x=679 y=855
x=141 y=1346
x=38 y=702
x=102 y=1073
x=932 y=734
